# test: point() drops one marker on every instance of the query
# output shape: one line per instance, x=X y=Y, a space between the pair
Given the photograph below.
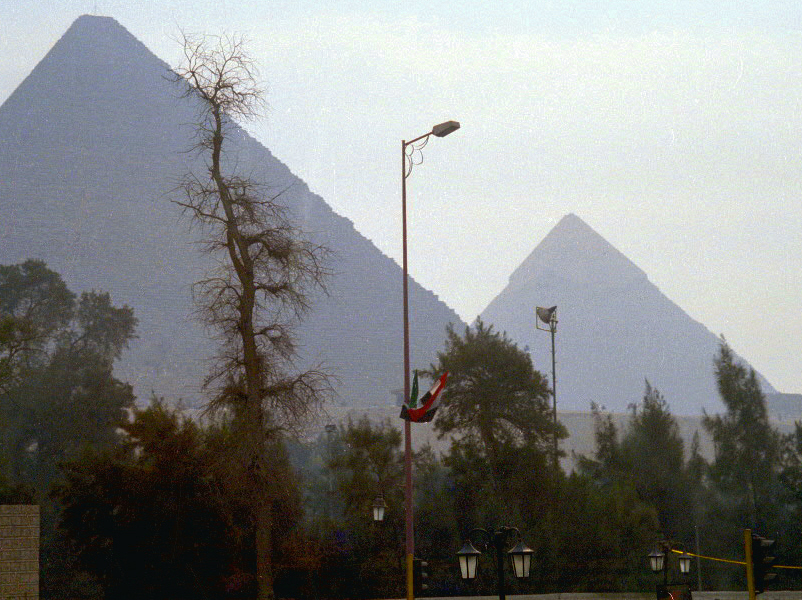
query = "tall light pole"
x=549 y=318
x=409 y=151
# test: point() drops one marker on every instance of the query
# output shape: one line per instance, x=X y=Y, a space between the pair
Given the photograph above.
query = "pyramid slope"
x=94 y=139
x=616 y=329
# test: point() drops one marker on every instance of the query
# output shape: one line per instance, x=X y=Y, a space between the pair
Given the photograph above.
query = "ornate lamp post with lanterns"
x=481 y=540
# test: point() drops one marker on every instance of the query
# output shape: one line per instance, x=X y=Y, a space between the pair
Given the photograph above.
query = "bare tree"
x=259 y=288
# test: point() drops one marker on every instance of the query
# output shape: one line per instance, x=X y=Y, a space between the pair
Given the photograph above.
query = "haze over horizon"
x=673 y=132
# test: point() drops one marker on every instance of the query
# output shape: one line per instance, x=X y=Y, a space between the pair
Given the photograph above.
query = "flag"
x=428 y=403
x=413 y=396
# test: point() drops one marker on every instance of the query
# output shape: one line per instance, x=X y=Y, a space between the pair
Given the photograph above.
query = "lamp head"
x=684 y=563
x=521 y=557
x=546 y=314
x=656 y=560
x=378 y=508
x=443 y=129
x=468 y=559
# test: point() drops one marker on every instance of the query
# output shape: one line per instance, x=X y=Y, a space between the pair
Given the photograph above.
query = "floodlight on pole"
x=411 y=156
x=548 y=316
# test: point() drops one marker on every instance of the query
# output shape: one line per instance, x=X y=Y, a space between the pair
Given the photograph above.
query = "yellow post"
x=750 y=576
x=410 y=588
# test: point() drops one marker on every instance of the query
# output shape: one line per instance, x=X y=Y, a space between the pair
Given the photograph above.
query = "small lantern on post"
x=657 y=560
x=684 y=563
x=521 y=558
x=468 y=560
x=379 y=505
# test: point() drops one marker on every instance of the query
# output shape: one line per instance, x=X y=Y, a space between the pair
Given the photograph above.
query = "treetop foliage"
x=743 y=434
x=264 y=270
x=58 y=392
x=34 y=304
x=494 y=395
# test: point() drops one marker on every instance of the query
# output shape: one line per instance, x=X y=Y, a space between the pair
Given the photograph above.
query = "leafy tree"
x=649 y=455
x=791 y=482
x=159 y=517
x=369 y=463
x=598 y=544
x=495 y=409
x=35 y=305
x=747 y=448
x=495 y=401
x=743 y=487
x=606 y=464
x=260 y=288
x=609 y=517
x=62 y=393
x=653 y=454
x=436 y=530
x=362 y=557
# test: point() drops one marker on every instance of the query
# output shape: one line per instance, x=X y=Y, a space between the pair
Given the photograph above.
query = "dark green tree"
x=600 y=538
x=496 y=412
x=437 y=534
x=743 y=481
x=160 y=517
x=62 y=393
x=653 y=457
x=791 y=481
x=362 y=557
x=746 y=465
x=369 y=463
x=495 y=403
x=35 y=305
x=609 y=517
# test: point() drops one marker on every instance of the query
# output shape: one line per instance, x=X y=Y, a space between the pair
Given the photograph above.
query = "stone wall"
x=19 y=552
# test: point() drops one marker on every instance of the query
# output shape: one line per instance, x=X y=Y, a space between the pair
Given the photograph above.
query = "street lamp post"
x=409 y=150
x=520 y=555
x=659 y=562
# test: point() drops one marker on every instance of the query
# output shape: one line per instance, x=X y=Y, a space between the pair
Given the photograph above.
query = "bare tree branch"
x=259 y=284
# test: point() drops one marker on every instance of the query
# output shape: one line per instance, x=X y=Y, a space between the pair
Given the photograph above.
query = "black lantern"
x=684 y=563
x=657 y=560
x=378 y=508
x=521 y=558
x=468 y=560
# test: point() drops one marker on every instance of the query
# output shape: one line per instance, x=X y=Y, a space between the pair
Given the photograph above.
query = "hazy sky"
x=674 y=131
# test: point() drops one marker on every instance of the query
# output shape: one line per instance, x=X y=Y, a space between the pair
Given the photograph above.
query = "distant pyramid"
x=90 y=145
x=615 y=329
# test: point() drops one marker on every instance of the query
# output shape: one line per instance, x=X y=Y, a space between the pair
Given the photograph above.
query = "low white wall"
x=773 y=595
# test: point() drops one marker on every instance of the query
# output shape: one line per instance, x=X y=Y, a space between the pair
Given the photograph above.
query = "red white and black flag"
x=423 y=411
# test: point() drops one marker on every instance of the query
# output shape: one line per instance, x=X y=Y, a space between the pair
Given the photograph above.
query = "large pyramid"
x=616 y=329
x=92 y=142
